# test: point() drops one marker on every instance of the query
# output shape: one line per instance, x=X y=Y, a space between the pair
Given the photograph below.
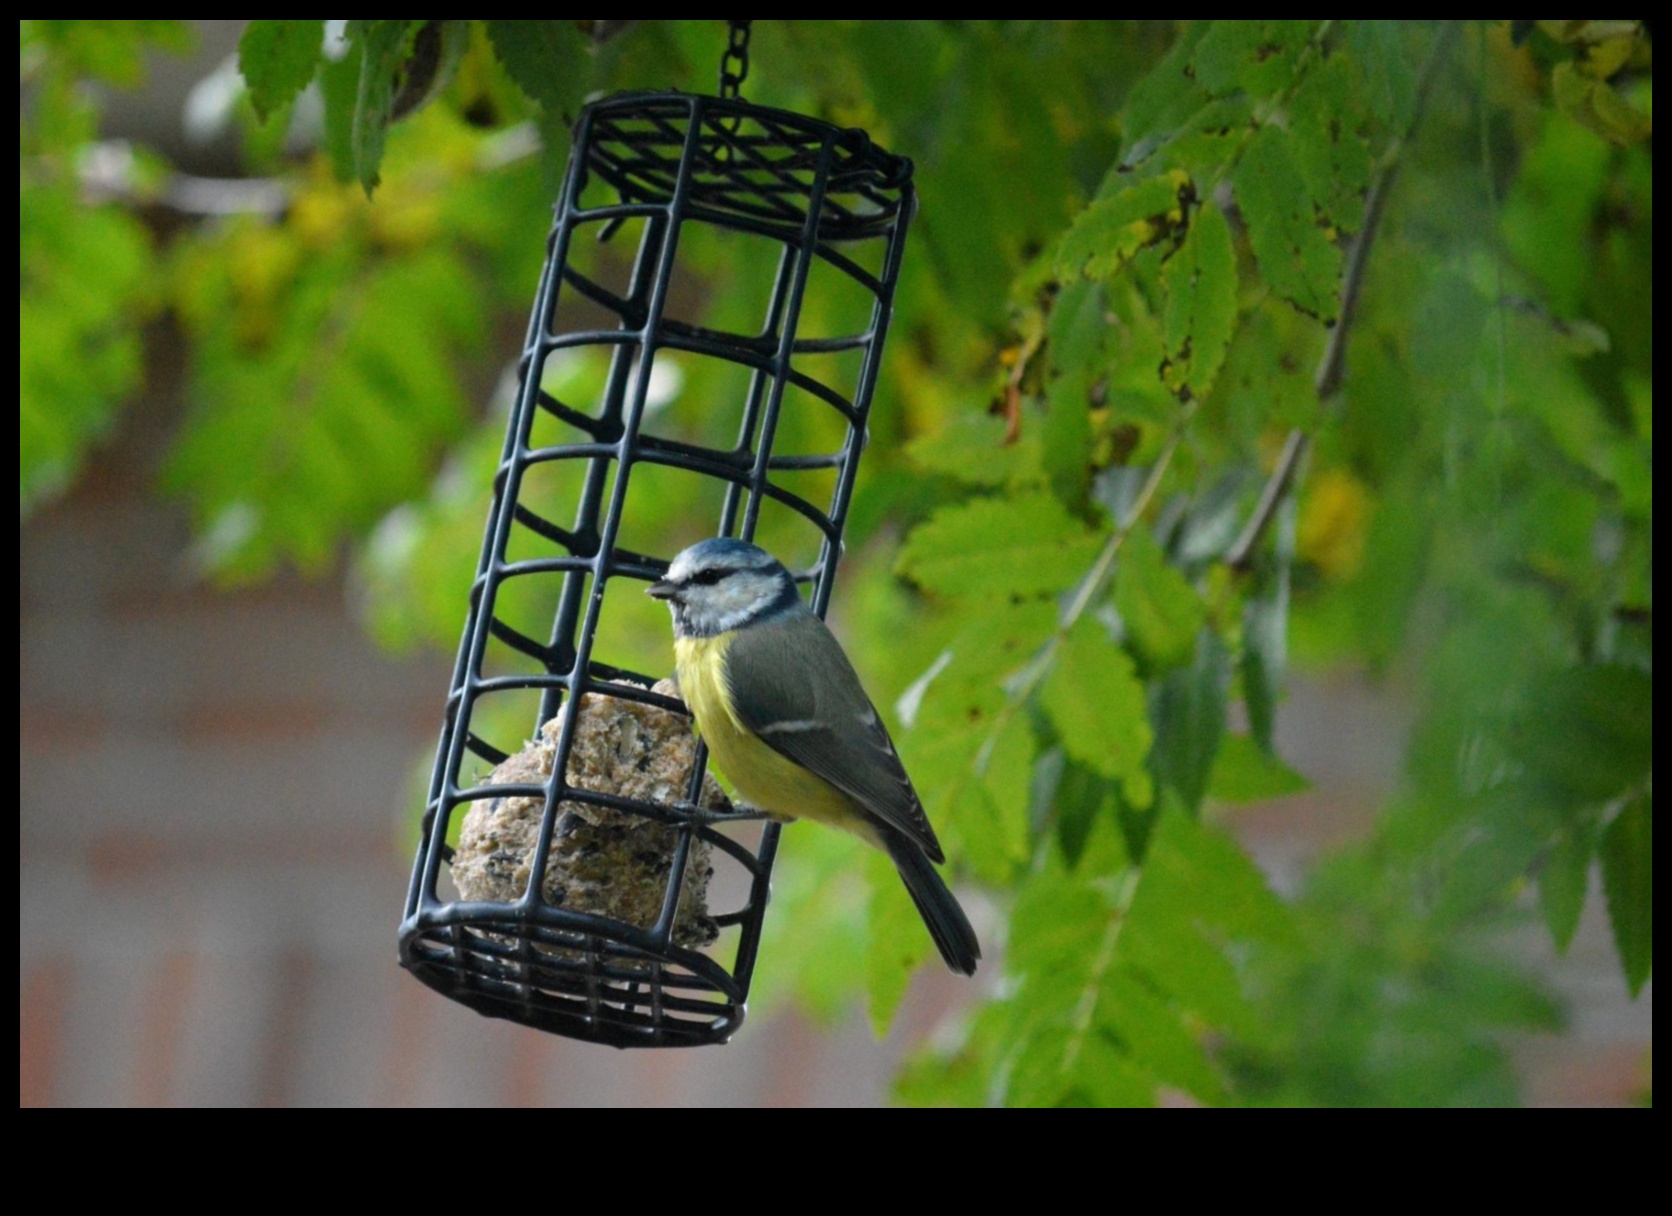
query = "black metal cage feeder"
x=672 y=167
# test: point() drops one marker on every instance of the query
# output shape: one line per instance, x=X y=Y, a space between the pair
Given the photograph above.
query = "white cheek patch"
x=738 y=597
x=729 y=604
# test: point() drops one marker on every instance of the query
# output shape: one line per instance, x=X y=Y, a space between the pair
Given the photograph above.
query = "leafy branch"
x=1332 y=367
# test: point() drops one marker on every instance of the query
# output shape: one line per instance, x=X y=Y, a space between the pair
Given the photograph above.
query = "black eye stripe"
x=707 y=578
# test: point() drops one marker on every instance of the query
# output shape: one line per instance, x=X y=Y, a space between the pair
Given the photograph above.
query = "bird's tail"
x=937 y=906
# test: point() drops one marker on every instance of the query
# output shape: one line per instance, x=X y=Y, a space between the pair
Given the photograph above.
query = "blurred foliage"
x=86 y=270
x=1219 y=346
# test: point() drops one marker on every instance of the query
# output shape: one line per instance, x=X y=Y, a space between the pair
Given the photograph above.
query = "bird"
x=789 y=724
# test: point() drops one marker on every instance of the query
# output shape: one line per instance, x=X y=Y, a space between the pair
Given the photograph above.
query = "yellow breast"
x=764 y=779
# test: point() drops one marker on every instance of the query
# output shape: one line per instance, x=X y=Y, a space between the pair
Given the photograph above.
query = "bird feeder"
x=569 y=886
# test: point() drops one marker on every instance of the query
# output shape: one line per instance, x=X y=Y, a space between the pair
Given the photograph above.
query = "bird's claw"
x=706 y=816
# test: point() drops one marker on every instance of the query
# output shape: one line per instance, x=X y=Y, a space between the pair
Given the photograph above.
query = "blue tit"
x=786 y=719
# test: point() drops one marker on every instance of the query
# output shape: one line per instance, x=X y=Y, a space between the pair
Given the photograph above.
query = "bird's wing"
x=792 y=685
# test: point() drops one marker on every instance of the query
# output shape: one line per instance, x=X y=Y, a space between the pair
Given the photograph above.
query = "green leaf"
x=1082 y=804
x=1105 y=853
x=1265 y=629
x=1097 y=705
x=1069 y=1065
x=1165 y=938
x=314 y=411
x=1628 y=879
x=1200 y=279
x=111 y=50
x=971 y=756
x=1160 y=609
x=1200 y=859
x=1255 y=57
x=1159 y=104
x=1077 y=332
x=1296 y=257
x=1559 y=187
x=546 y=60
x=1087 y=1026
x=1588 y=736
x=339 y=88
x=1058 y=920
x=984 y=817
x=1386 y=82
x=385 y=46
x=1154 y=1034
x=1006 y=772
x=990 y=547
x=1563 y=878
x=1328 y=143
x=278 y=59
x=972 y=449
x=1259 y=696
x=1189 y=710
x=1212 y=139
x=956 y=1073
x=1063 y=947
x=815 y=946
x=1109 y=1077
x=1200 y=903
x=994 y=639
x=1059 y=939
x=1243 y=771
x=1107 y=233
x=85 y=281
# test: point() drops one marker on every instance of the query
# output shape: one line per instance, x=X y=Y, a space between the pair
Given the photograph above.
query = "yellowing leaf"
x=1598 y=105
x=1334 y=517
x=1106 y=234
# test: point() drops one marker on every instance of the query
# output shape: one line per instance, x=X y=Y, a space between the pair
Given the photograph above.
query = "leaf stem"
x=1085 y=1009
x=1332 y=367
x=1295 y=447
x=1097 y=577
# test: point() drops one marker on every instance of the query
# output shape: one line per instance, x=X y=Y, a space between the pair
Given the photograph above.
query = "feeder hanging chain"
x=734 y=64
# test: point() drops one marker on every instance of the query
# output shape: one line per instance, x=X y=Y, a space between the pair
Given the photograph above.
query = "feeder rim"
x=899 y=168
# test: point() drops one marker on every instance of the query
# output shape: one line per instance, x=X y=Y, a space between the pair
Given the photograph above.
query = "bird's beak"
x=663 y=590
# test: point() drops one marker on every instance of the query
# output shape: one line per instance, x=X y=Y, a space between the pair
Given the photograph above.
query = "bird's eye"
x=707 y=578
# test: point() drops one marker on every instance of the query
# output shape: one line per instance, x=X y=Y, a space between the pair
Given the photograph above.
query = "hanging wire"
x=734 y=63
x=734 y=70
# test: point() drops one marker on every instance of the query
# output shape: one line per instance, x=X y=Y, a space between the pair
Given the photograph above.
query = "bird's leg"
x=703 y=816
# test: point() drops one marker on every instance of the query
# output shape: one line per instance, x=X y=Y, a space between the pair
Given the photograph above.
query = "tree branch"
x=1241 y=554
x=1332 y=368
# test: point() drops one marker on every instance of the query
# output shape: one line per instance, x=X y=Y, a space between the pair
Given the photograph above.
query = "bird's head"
x=719 y=585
